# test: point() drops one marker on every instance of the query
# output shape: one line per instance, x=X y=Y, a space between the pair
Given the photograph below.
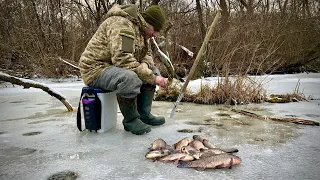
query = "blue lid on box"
x=96 y=90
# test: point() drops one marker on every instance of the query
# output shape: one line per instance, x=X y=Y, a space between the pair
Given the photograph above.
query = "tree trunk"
x=224 y=15
x=306 y=9
x=283 y=8
x=312 y=55
x=248 y=5
x=63 y=36
x=105 y=8
x=155 y=2
x=120 y=2
x=267 y=7
x=201 y=24
x=141 y=5
x=40 y=29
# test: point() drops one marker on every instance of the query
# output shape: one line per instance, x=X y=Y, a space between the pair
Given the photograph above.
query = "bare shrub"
x=229 y=90
x=296 y=96
x=257 y=38
x=261 y=45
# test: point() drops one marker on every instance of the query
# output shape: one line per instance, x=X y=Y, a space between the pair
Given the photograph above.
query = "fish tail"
x=183 y=164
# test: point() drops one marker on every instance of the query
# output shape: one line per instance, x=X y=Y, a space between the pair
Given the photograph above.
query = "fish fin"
x=235 y=150
x=168 y=147
x=182 y=157
x=203 y=149
x=183 y=164
x=219 y=166
x=201 y=168
x=231 y=163
x=231 y=150
x=175 y=145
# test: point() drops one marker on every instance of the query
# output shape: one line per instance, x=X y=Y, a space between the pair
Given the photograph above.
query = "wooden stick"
x=26 y=83
x=200 y=53
x=196 y=62
x=292 y=120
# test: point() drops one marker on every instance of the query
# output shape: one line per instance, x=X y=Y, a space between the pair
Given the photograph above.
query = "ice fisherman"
x=118 y=58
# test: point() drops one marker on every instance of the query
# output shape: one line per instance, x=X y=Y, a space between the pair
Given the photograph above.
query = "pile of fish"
x=197 y=152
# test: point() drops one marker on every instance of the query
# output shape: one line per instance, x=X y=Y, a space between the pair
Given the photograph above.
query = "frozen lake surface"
x=39 y=138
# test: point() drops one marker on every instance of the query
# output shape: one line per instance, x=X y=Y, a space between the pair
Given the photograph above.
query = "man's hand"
x=161 y=81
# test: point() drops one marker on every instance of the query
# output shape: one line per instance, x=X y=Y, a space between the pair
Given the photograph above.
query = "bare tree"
x=132 y=1
x=141 y=4
x=62 y=25
x=34 y=32
x=119 y=2
x=155 y=2
x=248 y=4
x=282 y=7
x=305 y=8
x=224 y=14
x=200 y=18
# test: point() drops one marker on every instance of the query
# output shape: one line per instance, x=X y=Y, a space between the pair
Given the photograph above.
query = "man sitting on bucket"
x=118 y=58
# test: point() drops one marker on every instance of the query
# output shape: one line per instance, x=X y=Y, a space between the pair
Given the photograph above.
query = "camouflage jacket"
x=119 y=41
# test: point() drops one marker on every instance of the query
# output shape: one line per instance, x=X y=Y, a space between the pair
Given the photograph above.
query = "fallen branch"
x=26 y=83
x=292 y=120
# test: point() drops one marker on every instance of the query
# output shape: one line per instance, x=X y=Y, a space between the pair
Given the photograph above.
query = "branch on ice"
x=26 y=83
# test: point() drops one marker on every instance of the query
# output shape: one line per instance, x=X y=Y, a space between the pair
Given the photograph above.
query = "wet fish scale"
x=177 y=156
x=181 y=143
x=200 y=138
x=159 y=144
x=197 y=144
x=157 y=154
x=216 y=161
x=211 y=152
x=189 y=150
x=208 y=144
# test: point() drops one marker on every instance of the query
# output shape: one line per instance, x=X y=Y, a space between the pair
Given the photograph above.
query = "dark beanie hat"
x=155 y=16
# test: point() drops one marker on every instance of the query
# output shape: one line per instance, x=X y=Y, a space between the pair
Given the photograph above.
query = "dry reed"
x=229 y=90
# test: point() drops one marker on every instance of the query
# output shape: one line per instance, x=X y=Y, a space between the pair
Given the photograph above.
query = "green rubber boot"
x=131 y=121
x=145 y=99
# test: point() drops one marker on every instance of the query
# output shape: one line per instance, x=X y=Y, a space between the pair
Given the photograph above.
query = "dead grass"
x=229 y=90
x=289 y=97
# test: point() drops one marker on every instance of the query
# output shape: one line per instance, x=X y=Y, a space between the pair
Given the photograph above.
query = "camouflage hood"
x=119 y=41
x=130 y=12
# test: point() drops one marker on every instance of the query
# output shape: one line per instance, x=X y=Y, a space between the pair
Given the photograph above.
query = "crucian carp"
x=157 y=154
x=197 y=152
x=214 y=162
x=183 y=142
x=159 y=144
